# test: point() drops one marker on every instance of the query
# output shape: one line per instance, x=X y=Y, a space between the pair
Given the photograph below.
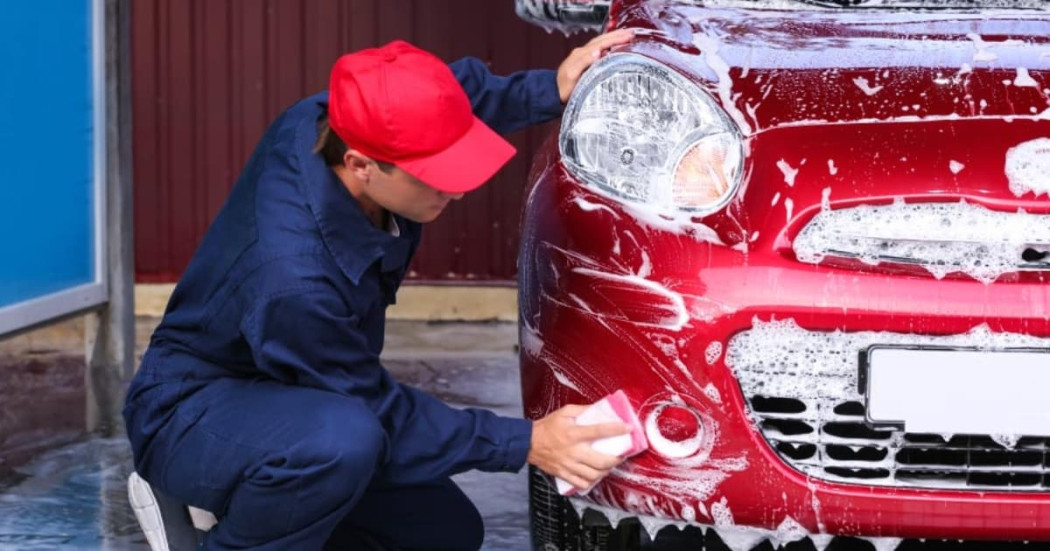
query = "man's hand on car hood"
x=570 y=70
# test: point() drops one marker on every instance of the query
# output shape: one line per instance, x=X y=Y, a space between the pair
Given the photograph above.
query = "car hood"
x=775 y=67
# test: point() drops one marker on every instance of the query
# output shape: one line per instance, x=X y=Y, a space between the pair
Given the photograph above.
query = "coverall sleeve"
x=510 y=103
x=312 y=339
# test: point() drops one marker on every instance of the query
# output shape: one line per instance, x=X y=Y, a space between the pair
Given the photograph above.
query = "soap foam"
x=1028 y=167
x=940 y=237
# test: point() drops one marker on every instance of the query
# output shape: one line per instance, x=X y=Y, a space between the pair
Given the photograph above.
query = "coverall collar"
x=349 y=235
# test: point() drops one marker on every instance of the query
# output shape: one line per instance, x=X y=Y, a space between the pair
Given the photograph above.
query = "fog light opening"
x=674 y=431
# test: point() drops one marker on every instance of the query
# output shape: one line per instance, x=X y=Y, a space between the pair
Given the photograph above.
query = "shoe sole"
x=147 y=511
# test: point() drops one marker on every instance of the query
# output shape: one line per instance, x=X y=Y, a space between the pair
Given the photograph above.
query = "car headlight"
x=639 y=130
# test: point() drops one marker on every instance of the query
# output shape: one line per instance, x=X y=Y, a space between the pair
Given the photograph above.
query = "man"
x=261 y=397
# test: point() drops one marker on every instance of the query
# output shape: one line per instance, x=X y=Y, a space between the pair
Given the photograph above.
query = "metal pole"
x=110 y=337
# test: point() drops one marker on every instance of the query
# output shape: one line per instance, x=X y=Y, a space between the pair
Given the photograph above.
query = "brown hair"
x=332 y=148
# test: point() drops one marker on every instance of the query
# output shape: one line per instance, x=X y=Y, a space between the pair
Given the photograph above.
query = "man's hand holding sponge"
x=580 y=445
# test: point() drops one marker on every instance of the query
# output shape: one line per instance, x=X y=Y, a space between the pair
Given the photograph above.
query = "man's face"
x=401 y=193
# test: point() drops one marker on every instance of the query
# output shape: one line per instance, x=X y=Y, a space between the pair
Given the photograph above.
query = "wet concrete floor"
x=74 y=496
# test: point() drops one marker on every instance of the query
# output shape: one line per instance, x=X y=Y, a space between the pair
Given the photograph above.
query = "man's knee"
x=361 y=452
x=337 y=460
x=344 y=449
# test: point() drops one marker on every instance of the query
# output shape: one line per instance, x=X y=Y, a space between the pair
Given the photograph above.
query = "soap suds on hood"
x=1028 y=167
x=1024 y=79
x=788 y=171
x=862 y=83
x=942 y=238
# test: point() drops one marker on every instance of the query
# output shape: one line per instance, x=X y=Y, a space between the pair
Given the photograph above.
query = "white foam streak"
x=862 y=83
x=646 y=269
x=563 y=380
x=589 y=206
x=821 y=541
x=1008 y=441
x=678 y=223
x=531 y=341
x=789 y=531
x=676 y=323
x=721 y=514
x=884 y=544
x=1024 y=79
x=983 y=54
x=788 y=171
x=713 y=352
x=709 y=46
x=712 y=393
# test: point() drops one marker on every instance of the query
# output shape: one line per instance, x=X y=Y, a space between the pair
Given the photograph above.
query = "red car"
x=811 y=242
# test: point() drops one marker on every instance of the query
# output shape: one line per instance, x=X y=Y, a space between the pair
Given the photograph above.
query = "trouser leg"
x=430 y=517
x=281 y=466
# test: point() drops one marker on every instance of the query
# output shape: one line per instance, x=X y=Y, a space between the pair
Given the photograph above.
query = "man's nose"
x=454 y=196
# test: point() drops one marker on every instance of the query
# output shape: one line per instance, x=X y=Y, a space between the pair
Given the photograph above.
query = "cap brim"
x=466 y=164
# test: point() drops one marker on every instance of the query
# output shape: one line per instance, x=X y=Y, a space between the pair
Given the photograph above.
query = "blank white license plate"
x=959 y=391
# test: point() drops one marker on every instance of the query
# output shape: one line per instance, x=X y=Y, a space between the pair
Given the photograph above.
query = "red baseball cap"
x=401 y=105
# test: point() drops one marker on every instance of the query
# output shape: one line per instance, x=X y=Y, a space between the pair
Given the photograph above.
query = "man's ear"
x=357 y=164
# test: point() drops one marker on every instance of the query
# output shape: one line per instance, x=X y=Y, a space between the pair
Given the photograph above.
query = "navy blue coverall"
x=261 y=397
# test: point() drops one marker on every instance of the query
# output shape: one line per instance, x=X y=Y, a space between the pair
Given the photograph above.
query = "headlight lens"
x=640 y=131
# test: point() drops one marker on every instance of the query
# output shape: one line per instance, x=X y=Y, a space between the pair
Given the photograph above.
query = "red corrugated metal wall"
x=209 y=75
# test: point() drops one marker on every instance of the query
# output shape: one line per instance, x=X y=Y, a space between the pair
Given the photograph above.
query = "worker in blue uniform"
x=261 y=397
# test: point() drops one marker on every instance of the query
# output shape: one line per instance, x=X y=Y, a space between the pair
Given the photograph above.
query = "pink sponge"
x=611 y=409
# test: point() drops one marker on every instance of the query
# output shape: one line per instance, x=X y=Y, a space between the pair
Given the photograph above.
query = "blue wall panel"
x=47 y=149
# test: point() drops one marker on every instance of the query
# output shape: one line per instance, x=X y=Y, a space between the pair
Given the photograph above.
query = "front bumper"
x=610 y=302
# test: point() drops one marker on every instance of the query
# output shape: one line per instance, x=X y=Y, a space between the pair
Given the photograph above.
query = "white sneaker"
x=147 y=511
x=169 y=526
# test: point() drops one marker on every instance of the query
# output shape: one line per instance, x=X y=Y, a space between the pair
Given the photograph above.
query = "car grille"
x=801 y=388
x=942 y=238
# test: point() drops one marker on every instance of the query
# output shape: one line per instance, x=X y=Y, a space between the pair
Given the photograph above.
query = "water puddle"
x=71 y=498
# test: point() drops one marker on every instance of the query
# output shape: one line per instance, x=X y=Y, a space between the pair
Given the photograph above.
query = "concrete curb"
x=414 y=302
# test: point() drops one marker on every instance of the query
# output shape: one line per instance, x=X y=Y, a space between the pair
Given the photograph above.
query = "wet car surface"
x=747 y=209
